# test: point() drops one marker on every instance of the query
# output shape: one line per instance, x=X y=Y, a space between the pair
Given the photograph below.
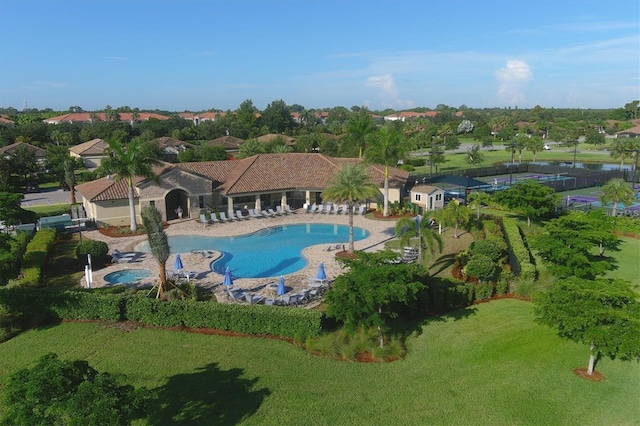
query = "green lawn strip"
x=627 y=261
x=488 y=364
x=50 y=210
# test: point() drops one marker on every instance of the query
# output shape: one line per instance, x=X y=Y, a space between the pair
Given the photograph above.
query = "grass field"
x=488 y=364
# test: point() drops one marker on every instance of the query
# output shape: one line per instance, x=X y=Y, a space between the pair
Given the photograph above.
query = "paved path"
x=379 y=233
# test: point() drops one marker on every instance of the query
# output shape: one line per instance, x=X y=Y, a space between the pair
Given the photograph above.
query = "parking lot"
x=48 y=197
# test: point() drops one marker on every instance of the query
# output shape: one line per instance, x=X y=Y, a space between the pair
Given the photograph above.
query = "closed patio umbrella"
x=281 y=289
x=321 y=273
x=228 y=279
x=178 y=264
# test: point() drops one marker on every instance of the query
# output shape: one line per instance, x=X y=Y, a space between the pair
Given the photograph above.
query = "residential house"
x=89 y=117
x=171 y=147
x=91 y=153
x=40 y=153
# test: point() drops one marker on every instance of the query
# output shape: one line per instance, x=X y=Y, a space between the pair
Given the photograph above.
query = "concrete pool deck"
x=380 y=231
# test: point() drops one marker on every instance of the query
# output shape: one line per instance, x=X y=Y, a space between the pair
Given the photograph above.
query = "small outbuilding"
x=428 y=197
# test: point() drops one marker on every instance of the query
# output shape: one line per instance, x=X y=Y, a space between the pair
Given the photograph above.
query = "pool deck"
x=380 y=231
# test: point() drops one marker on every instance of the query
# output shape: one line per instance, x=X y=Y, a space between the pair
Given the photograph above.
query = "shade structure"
x=321 y=273
x=228 y=279
x=281 y=289
x=178 y=263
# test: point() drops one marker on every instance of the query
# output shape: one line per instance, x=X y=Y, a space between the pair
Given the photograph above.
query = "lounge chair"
x=223 y=217
x=280 y=211
x=252 y=298
x=254 y=213
x=320 y=209
x=204 y=220
x=335 y=210
x=273 y=212
x=344 y=209
x=312 y=209
x=214 y=218
x=361 y=210
x=265 y=213
x=119 y=257
x=239 y=215
x=231 y=216
x=269 y=301
x=288 y=209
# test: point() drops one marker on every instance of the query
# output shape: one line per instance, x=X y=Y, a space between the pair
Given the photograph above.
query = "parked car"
x=32 y=187
x=546 y=147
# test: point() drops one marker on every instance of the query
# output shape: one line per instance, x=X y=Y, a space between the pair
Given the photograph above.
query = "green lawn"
x=627 y=261
x=488 y=364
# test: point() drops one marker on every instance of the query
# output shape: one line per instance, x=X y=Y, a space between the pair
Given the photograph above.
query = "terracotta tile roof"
x=228 y=142
x=9 y=149
x=92 y=147
x=76 y=117
x=633 y=130
x=4 y=120
x=260 y=173
x=166 y=141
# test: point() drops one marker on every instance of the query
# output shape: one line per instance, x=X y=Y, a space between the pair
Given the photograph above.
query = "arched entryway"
x=177 y=201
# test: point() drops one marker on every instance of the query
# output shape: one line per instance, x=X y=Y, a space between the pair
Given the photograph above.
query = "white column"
x=230 y=204
x=307 y=197
x=258 y=205
x=283 y=200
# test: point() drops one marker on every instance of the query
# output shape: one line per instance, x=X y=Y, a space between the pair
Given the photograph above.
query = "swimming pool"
x=270 y=252
x=126 y=276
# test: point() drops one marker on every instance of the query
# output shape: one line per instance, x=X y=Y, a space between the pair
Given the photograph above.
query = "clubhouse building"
x=260 y=181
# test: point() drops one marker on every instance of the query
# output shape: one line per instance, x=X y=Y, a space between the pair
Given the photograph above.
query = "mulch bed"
x=124 y=231
x=378 y=215
x=596 y=376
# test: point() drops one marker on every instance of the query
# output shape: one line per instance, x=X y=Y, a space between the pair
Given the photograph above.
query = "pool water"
x=270 y=252
x=126 y=276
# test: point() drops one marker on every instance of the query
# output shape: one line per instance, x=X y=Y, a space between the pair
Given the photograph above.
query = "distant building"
x=90 y=117
x=91 y=153
x=40 y=153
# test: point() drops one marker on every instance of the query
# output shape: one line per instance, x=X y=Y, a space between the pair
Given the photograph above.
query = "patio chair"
x=288 y=209
x=266 y=213
x=223 y=217
x=231 y=216
x=204 y=220
x=254 y=213
x=319 y=209
x=312 y=209
x=273 y=212
x=280 y=211
x=335 y=210
x=214 y=218
x=252 y=298
x=361 y=210
x=269 y=301
x=240 y=216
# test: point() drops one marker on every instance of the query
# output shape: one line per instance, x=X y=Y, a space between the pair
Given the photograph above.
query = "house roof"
x=4 y=120
x=92 y=147
x=10 y=149
x=259 y=173
x=229 y=143
x=167 y=142
x=76 y=117
x=632 y=131
x=426 y=189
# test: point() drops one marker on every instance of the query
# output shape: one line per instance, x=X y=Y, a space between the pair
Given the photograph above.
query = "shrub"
x=481 y=267
x=35 y=257
x=484 y=291
x=519 y=254
x=488 y=248
x=97 y=249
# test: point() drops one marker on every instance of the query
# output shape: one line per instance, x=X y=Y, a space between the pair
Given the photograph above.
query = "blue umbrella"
x=178 y=263
x=228 y=279
x=321 y=274
x=281 y=290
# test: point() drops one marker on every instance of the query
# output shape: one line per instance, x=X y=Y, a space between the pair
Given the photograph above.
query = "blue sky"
x=196 y=55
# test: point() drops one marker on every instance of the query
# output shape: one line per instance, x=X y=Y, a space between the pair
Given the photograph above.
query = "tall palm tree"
x=477 y=199
x=359 y=126
x=158 y=243
x=420 y=227
x=126 y=161
x=350 y=186
x=70 y=176
x=622 y=149
x=616 y=191
x=387 y=147
x=455 y=214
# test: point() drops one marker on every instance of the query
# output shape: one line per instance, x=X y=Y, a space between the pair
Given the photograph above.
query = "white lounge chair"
x=361 y=210
x=288 y=209
x=266 y=213
x=252 y=298
x=280 y=211
x=320 y=208
x=254 y=213
x=240 y=216
x=273 y=212
x=312 y=209
x=214 y=218
x=344 y=210
x=223 y=217
x=335 y=210
x=231 y=216
x=204 y=220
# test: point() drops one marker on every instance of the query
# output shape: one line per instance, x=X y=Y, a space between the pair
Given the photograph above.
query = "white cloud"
x=388 y=91
x=512 y=79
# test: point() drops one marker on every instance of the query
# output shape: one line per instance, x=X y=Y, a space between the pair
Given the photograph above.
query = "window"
x=438 y=197
x=418 y=197
x=201 y=201
x=152 y=203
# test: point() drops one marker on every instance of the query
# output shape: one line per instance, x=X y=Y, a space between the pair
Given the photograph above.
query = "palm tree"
x=158 y=243
x=455 y=214
x=616 y=191
x=128 y=161
x=250 y=148
x=350 y=186
x=420 y=227
x=622 y=149
x=70 y=176
x=386 y=148
x=359 y=126
x=477 y=199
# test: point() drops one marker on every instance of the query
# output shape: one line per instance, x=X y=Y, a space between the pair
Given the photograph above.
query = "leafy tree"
x=277 y=117
x=212 y=153
x=474 y=156
x=488 y=248
x=60 y=392
x=23 y=162
x=623 y=148
x=350 y=186
x=520 y=142
x=359 y=126
x=10 y=210
x=534 y=144
x=455 y=214
x=5 y=176
x=477 y=199
x=70 y=165
x=631 y=109
x=250 y=148
x=158 y=243
x=567 y=242
x=595 y=138
x=420 y=227
x=387 y=148
x=465 y=127
x=604 y=314
x=617 y=191
x=529 y=198
x=372 y=290
x=135 y=159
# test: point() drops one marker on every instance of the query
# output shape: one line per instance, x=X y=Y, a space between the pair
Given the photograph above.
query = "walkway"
x=379 y=233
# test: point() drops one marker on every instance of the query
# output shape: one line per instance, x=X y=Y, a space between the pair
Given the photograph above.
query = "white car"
x=546 y=147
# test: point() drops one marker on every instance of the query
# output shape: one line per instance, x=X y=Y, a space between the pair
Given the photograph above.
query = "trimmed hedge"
x=10 y=262
x=35 y=257
x=518 y=252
